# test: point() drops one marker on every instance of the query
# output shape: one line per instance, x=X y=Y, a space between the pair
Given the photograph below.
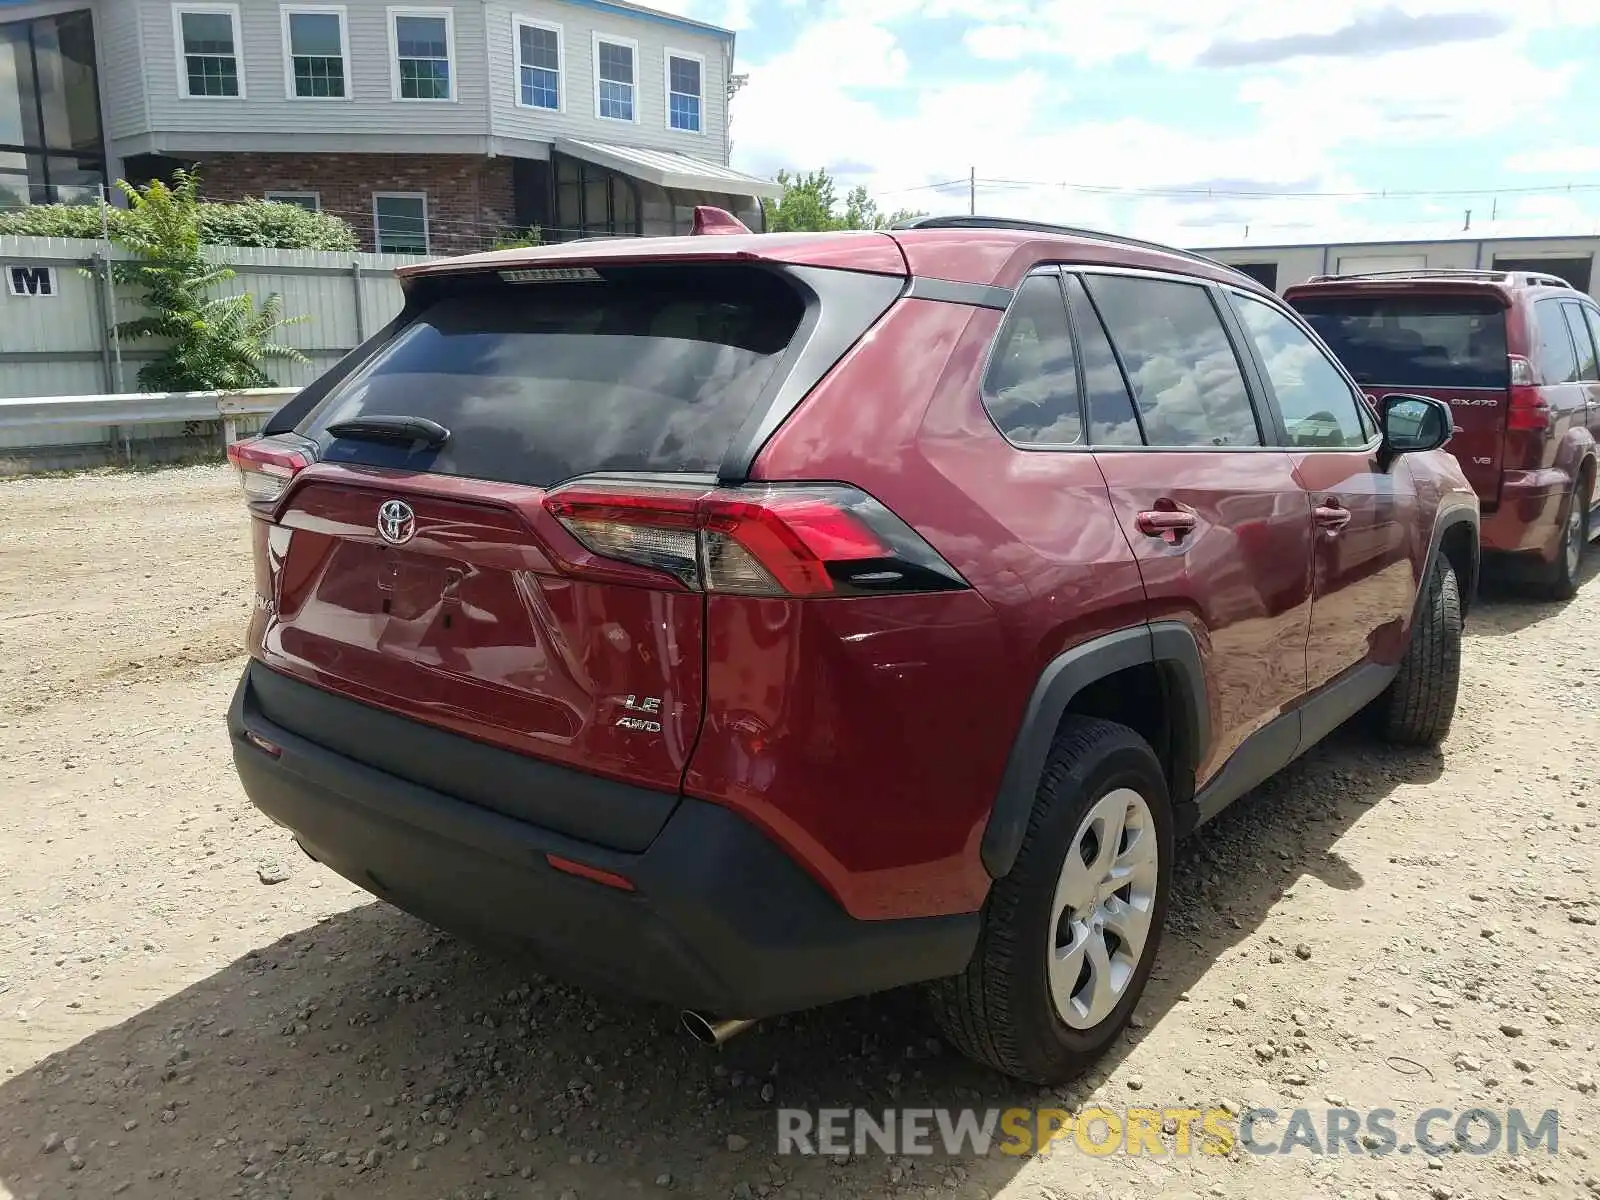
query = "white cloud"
x=1001 y=43
x=1177 y=33
x=1431 y=94
x=822 y=103
x=1557 y=160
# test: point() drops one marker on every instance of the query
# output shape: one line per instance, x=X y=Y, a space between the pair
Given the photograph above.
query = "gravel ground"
x=189 y=1008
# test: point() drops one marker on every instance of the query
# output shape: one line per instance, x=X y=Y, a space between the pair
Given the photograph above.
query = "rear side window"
x=1556 y=355
x=1414 y=341
x=1031 y=386
x=649 y=369
x=1186 y=379
x=1112 y=421
x=1580 y=338
x=1319 y=408
x=1592 y=316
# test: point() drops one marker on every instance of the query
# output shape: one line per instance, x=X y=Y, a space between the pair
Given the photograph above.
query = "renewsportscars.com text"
x=1165 y=1131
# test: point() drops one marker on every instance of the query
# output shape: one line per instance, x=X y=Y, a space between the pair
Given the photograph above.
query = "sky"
x=1200 y=122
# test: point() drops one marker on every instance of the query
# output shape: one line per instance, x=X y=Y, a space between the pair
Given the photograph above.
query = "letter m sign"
x=31 y=281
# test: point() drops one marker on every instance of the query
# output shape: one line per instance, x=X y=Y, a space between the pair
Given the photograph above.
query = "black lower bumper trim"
x=722 y=919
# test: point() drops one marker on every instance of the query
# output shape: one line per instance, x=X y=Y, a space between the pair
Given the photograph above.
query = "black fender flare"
x=1170 y=645
x=1444 y=521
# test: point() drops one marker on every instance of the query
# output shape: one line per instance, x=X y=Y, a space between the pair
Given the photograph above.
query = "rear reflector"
x=266 y=465
x=810 y=540
x=1527 y=408
x=261 y=744
x=593 y=874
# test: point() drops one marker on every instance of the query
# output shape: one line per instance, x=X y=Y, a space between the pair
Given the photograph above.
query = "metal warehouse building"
x=1278 y=267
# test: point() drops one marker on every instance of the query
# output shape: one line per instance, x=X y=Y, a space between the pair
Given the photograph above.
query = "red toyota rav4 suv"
x=1514 y=354
x=750 y=622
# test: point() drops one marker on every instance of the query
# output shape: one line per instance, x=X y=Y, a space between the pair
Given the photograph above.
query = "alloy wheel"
x=1103 y=908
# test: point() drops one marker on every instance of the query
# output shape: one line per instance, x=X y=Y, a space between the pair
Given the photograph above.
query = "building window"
x=315 y=47
x=51 y=149
x=400 y=222
x=208 y=51
x=591 y=201
x=538 y=63
x=615 y=61
x=423 y=42
x=685 y=83
x=310 y=201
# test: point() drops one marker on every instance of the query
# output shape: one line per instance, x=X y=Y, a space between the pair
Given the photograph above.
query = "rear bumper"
x=721 y=919
x=1529 y=513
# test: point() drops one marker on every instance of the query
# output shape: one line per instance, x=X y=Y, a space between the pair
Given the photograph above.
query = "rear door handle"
x=1332 y=515
x=1168 y=524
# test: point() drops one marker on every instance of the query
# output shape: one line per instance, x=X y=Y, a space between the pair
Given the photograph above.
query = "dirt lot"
x=1372 y=929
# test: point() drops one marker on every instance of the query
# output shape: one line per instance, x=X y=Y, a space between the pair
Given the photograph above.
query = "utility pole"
x=735 y=82
x=972 y=191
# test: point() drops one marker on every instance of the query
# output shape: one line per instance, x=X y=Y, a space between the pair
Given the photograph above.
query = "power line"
x=1179 y=190
x=924 y=187
x=1290 y=194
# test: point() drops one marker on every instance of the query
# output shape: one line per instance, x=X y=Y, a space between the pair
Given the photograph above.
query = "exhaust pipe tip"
x=709 y=1032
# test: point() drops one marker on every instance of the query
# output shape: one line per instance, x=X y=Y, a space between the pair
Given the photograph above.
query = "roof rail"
x=1418 y=273
x=1545 y=278
x=976 y=222
x=1462 y=273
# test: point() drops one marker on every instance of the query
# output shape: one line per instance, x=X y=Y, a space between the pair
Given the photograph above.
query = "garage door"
x=1264 y=273
x=1367 y=264
x=1575 y=271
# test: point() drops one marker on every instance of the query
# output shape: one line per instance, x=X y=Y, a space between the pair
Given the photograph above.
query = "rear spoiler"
x=1351 y=285
x=718 y=237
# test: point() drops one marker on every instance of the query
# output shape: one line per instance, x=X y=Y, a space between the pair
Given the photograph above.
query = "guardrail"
x=55 y=413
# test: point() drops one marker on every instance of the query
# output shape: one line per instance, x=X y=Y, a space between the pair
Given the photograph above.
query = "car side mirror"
x=1413 y=423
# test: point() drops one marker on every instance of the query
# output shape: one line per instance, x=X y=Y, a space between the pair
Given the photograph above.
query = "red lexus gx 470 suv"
x=1514 y=355
x=747 y=622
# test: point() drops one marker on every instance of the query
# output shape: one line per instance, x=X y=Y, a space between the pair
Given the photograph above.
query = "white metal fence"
x=57 y=313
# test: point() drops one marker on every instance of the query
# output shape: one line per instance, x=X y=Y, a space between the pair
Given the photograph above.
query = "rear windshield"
x=1414 y=341
x=650 y=369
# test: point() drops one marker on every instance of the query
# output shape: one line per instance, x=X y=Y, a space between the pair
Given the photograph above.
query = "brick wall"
x=469 y=198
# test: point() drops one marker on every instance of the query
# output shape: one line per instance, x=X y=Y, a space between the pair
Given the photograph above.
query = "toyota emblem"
x=396 y=522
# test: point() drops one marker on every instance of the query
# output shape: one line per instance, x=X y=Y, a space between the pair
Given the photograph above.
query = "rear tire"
x=1417 y=708
x=1559 y=579
x=1064 y=952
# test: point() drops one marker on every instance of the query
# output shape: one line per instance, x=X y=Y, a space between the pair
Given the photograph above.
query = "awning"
x=666 y=169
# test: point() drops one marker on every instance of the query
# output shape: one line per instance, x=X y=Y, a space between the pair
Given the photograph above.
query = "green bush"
x=262 y=223
x=517 y=239
x=209 y=341
x=58 y=220
x=274 y=226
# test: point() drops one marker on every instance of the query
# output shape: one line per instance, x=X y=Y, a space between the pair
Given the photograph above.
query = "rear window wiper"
x=419 y=432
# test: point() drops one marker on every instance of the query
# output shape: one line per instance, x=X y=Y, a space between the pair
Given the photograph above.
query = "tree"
x=212 y=342
x=806 y=204
x=861 y=212
x=810 y=202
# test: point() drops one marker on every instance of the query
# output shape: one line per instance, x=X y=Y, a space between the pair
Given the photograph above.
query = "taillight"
x=775 y=540
x=1527 y=409
x=266 y=465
